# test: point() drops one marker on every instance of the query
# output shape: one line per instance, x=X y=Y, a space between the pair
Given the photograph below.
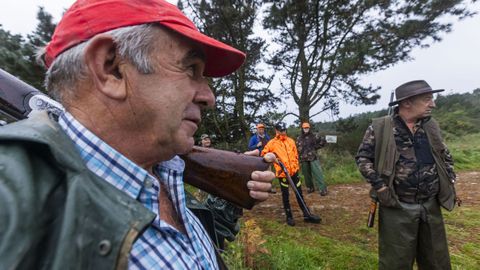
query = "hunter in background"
x=308 y=144
x=259 y=139
x=286 y=151
x=411 y=172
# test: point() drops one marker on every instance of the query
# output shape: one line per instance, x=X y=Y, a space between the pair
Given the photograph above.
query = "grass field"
x=346 y=243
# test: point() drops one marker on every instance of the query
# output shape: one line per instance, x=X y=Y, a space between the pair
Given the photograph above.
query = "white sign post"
x=331 y=138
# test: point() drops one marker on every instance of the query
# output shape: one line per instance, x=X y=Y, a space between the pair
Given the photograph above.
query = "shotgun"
x=373 y=204
x=294 y=187
x=221 y=173
x=371 y=213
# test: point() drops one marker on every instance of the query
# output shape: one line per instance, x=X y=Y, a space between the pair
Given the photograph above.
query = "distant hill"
x=457 y=114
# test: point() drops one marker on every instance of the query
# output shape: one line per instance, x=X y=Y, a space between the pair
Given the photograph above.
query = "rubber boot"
x=290 y=220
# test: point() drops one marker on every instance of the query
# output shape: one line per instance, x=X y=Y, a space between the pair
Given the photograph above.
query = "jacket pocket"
x=386 y=198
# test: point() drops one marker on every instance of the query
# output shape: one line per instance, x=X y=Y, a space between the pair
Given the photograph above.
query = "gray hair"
x=134 y=43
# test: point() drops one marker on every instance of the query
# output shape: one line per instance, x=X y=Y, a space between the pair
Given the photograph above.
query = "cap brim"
x=407 y=97
x=221 y=59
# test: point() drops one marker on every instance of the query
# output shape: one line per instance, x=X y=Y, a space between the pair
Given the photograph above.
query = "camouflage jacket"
x=416 y=176
x=308 y=144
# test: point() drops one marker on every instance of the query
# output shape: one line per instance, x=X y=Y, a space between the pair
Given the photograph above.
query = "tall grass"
x=339 y=166
x=465 y=151
x=300 y=248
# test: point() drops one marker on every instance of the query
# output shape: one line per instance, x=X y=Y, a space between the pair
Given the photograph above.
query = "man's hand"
x=259 y=144
x=261 y=182
x=382 y=189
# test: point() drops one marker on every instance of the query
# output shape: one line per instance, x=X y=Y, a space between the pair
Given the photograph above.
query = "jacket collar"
x=40 y=128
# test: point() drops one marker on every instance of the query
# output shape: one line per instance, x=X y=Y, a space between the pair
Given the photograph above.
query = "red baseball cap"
x=87 y=18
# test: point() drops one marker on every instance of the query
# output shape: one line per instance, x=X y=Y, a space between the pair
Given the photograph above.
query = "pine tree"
x=326 y=46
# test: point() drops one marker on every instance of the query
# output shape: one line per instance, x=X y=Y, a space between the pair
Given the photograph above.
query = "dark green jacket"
x=55 y=213
x=386 y=156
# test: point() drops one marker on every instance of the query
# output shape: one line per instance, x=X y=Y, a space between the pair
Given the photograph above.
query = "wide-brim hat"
x=411 y=89
x=87 y=18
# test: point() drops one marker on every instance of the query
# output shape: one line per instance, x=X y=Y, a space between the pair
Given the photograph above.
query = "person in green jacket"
x=101 y=185
x=411 y=172
x=308 y=144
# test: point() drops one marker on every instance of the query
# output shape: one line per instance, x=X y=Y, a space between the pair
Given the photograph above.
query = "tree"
x=242 y=97
x=11 y=53
x=38 y=39
x=17 y=55
x=327 y=45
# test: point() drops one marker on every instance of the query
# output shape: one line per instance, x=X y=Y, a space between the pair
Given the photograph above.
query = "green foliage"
x=11 y=53
x=302 y=248
x=465 y=151
x=458 y=114
x=17 y=55
x=339 y=167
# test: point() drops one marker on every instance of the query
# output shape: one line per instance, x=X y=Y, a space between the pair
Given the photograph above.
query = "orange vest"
x=285 y=149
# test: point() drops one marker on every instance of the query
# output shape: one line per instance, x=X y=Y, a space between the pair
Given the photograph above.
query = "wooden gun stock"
x=371 y=213
x=221 y=173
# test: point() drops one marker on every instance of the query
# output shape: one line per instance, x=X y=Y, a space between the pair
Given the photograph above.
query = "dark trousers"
x=285 y=196
x=412 y=232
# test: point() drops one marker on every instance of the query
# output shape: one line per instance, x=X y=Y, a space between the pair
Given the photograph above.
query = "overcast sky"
x=453 y=64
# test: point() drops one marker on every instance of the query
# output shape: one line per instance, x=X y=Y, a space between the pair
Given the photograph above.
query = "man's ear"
x=106 y=68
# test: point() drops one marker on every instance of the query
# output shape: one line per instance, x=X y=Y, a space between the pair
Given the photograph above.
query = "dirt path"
x=348 y=204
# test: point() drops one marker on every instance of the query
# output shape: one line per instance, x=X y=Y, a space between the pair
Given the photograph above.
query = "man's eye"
x=192 y=69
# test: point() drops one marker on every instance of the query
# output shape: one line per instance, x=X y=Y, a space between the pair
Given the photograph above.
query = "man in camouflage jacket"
x=411 y=172
x=308 y=143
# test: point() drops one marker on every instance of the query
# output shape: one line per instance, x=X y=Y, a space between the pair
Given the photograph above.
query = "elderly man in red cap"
x=411 y=172
x=102 y=188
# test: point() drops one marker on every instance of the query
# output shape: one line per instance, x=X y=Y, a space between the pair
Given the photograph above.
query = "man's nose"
x=204 y=95
x=432 y=104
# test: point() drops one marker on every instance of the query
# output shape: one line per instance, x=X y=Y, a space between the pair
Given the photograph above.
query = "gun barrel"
x=14 y=95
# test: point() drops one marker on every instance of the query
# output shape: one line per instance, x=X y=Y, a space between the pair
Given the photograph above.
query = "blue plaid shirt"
x=160 y=246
